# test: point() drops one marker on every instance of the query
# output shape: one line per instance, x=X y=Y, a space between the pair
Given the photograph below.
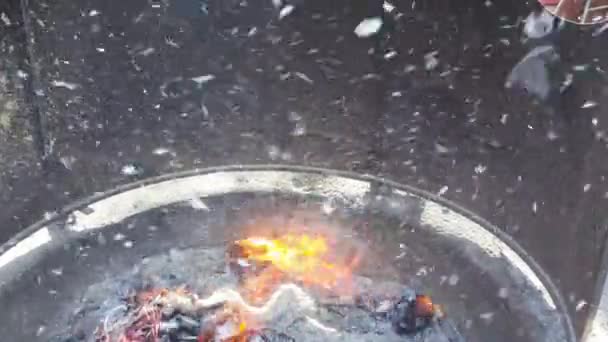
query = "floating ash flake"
x=388 y=7
x=443 y=190
x=479 y=169
x=586 y=187
x=100 y=49
x=589 y=104
x=487 y=317
x=94 y=13
x=131 y=170
x=147 y=52
x=503 y=292
x=552 y=135
x=453 y=280
x=534 y=207
x=567 y=82
x=169 y=41
x=277 y=3
x=64 y=84
x=128 y=244
x=304 y=77
x=368 y=27
x=200 y=80
x=504 y=118
x=285 y=11
x=161 y=151
x=119 y=237
x=580 y=305
x=594 y=121
x=431 y=61
x=580 y=67
x=390 y=55
x=5 y=19
x=441 y=148
x=57 y=271
x=252 y=31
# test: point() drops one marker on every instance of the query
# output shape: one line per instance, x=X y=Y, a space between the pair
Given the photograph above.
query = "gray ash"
x=150 y=304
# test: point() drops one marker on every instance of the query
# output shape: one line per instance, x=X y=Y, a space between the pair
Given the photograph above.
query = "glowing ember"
x=301 y=258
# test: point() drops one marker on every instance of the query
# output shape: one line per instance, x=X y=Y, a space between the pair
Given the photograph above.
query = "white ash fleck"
x=468 y=324
x=128 y=244
x=304 y=77
x=388 y=7
x=479 y=169
x=64 y=84
x=147 y=52
x=586 y=187
x=41 y=330
x=22 y=74
x=198 y=204
x=299 y=129
x=119 y=237
x=409 y=68
x=487 y=317
x=594 y=121
x=5 y=19
x=443 y=190
x=431 y=61
x=390 y=55
x=368 y=27
x=552 y=135
x=441 y=149
x=68 y=162
x=567 y=82
x=580 y=305
x=488 y=3
x=100 y=49
x=503 y=292
x=453 y=280
x=94 y=13
x=504 y=118
x=285 y=11
x=534 y=207
x=422 y=271
x=294 y=116
x=200 y=80
x=589 y=104
x=131 y=170
x=169 y=41
x=274 y=152
x=57 y=271
x=277 y=3
x=161 y=151
x=396 y=94
x=252 y=31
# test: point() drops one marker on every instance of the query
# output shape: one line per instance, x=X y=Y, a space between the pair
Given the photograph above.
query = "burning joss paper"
x=294 y=287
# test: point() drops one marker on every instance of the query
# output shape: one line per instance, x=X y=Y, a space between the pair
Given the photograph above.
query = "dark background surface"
x=98 y=93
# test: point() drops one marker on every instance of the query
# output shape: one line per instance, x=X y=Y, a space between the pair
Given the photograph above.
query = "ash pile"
x=293 y=288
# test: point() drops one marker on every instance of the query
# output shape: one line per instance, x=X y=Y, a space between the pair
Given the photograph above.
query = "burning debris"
x=289 y=288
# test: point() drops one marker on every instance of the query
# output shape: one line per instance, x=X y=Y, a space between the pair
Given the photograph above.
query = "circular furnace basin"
x=490 y=289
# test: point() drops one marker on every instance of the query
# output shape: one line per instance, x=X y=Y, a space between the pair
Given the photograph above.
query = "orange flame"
x=303 y=258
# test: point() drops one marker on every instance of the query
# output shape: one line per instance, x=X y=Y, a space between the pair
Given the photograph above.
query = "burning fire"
x=302 y=258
